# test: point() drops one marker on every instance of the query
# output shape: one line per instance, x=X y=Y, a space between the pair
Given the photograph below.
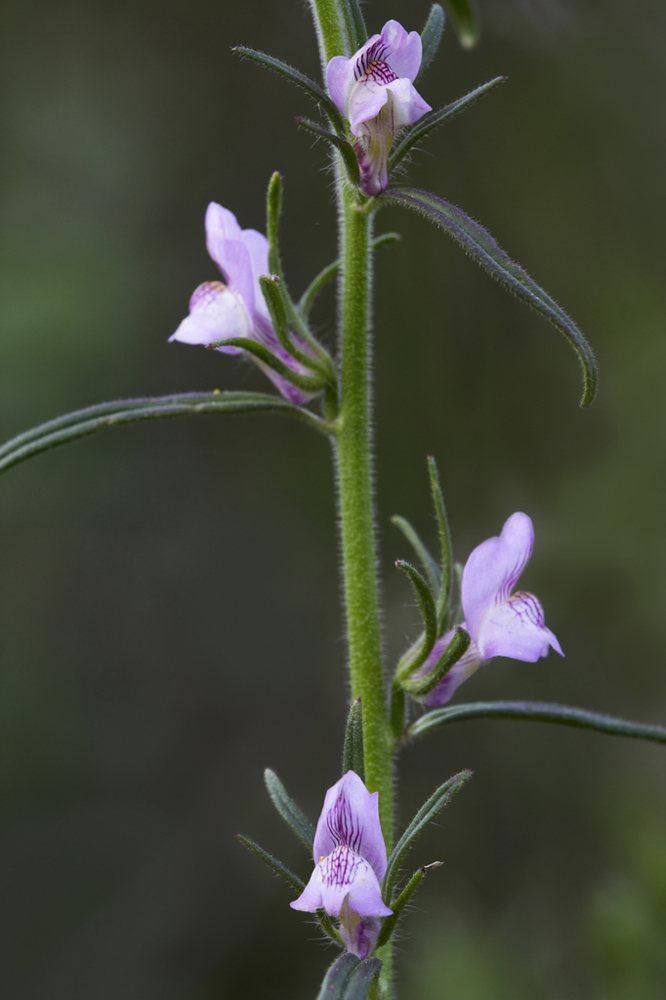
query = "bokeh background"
x=170 y=619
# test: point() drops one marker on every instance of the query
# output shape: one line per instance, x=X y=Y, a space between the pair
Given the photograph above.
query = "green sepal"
x=416 y=656
x=362 y=979
x=342 y=146
x=337 y=977
x=536 y=711
x=276 y=298
x=431 y=36
x=80 y=423
x=430 y=566
x=308 y=383
x=445 y=548
x=433 y=119
x=285 y=873
x=478 y=243
x=312 y=89
x=357 y=33
x=353 y=758
x=426 y=814
x=399 y=904
x=273 y=211
x=465 y=21
x=458 y=646
x=318 y=283
x=291 y=813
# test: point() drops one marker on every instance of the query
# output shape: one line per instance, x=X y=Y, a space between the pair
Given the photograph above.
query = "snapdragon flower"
x=374 y=91
x=235 y=307
x=350 y=861
x=499 y=622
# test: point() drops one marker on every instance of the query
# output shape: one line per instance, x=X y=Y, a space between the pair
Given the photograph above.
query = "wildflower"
x=235 y=307
x=350 y=861
x=500 y=623
x=374 y=91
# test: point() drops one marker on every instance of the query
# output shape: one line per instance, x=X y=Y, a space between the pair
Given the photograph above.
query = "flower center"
x=373 y=66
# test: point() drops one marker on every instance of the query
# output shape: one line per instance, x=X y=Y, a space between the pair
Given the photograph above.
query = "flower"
x=374 y=91
x=500 y=623
x=235 y=307
x=350 y=861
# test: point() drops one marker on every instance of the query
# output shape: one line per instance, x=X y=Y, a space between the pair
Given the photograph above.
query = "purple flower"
x=374 y=91
x=235 y=307
x=350 y=861
x=499 y=622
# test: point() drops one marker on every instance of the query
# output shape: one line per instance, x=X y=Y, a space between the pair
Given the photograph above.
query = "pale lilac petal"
x=360 y=937
x=350 y=817
x=257 y=247
x=407 y=104
x=340 y=80
x=493 y=568
x=404 y=51
x=366 y=101
x=216 y=313
x=516 y=628
x=230 y=254
x=343 y=875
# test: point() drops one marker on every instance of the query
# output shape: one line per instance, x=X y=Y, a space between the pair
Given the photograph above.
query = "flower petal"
x=224 y=239
x=343 y=875
x=492 y=570
x=350 y=818
x=340 y=80
x=404 y=50
x=516 y=628
x=216 y=312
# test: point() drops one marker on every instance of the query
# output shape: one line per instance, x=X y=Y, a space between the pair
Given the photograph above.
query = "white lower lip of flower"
x=217 y=312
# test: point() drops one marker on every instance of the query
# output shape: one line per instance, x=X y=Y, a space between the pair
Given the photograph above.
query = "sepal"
x=434 y=119
x=291 y=813
x=456 y=649
x=431 y=36
x=312 y=89
x=349 y=978
x=445 y=547
x=426 y=814
x=311 y=384
x=478 y=242
x=353 y=756
x=419 y=652
x=430 y=566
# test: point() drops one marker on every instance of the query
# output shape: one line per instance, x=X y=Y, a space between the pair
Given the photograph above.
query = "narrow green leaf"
x=431 y=36
x=536 y=711
x=399 y=904
x=426 y=814
x=342 y=146
x=292 y=814
x=79 y=424
x=445 y=548
x=273 y=211
x=353 y=757
x=307 y=383
x=427 y=561
x=322 y=279
x=433 y=119
x=361 y=980
x=337 y=977
x=465 y=21
x=428 y=613
x=355 y=25
x=419 y=688
x=476 y=241
x=312 y=89
x=293 y=880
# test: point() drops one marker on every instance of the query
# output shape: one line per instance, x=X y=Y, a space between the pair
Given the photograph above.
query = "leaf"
x=353 y=757
x=292 y=814
x=478 y=242
x=311 y=88
x=343 y=147
x=427 y=561
x=431 y=36
x=293 y=880
x=426 y=814
x=80 y=423
x=433 y=119
x=307 y=383
x=446 y=571
x=389 y=924
x=361 y=979
x=536 y=711
x=273 y=211
x=337 y=977
x=465 y=21
x=428 y=613
x=457 y=648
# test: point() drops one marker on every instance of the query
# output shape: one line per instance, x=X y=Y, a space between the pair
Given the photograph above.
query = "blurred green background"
x=170 y=617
